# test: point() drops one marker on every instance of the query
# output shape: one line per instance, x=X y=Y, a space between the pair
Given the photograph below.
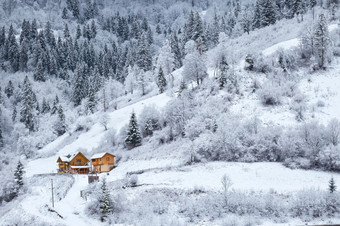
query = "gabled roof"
x=100 y=155
x=69 y=158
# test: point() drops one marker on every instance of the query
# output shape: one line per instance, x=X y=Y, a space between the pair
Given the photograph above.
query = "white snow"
x=289 y=44
x=244 y=176
x=98 y=155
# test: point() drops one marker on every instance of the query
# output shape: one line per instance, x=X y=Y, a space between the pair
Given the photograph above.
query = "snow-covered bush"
x=271 y=94
x=150 y=115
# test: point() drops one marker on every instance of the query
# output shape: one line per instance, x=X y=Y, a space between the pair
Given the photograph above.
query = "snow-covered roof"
x=80 y=167
x=65 y=159
x=98 y=155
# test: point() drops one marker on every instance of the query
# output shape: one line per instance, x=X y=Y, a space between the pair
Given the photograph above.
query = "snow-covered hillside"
x=217 y=112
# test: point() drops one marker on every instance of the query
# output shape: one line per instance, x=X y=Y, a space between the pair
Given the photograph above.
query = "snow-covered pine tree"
x=27 y=110
x=78 y=32
x=268 y=15
x=45 y=107
x=144 y=58
x=92 y=102
x=66 y=31
x=9 y=89
x=60 y=126
x=18 y=175
x=133 y=138
x=64 y=14
x=223 y=67
x=79 y=86
x=14 y=114
x=1 y=138
x=161 y=81
x=322 y=40
x=54 y=108
x=331 y=185
x=39 y=74
x=105 y=202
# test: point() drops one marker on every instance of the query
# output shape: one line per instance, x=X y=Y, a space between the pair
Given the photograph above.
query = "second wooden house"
x=102 y=162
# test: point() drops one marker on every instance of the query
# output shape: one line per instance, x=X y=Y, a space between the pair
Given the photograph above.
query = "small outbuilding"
x=102 y=162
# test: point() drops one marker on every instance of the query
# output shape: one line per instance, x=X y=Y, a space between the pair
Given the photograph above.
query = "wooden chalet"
x=102 y=162
x=76 y=163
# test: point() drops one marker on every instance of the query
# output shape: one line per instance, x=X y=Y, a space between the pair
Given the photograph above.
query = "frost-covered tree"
x=194 y=64
x=18 y=175
x=148 y=127
x=1 y=138
x=27 y=111
x=322 y=40
x=166 y=61
x=133 y=138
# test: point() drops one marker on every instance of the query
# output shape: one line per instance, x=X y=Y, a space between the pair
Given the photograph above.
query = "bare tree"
x=333 y=131
x=226 y=184
x=104 y=120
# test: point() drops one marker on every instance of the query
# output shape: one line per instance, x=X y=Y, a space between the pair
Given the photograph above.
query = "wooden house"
x=102 y=162
x=76 y=163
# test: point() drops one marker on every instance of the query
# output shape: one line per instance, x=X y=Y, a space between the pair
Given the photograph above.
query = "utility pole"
x=52 y=193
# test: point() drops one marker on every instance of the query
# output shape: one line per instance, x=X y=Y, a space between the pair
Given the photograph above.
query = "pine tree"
x=2 y=36
x=133 y=138
x=39 y=74
x=27 y=106
x=60 y=127
x=332 y=186
x=66 y=31
x=223 y=66
x=78 y=32
x=312 y=4
x=23 y=57
x=322 y=40
x=18 y=175
x=91 y=104
x=54 y=108
x=93 y=29
x=174 y=44
x=14 y=114
x=144 y=58
x=105 y=202
x=182 y=87
x=45 y=107
x=79 y=86
x=9 y=89
x=161 y=81
x=1 y=138
x=148 y=127
x=64 y=14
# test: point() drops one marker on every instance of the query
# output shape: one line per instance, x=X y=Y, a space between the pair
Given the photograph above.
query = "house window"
x=93 y=160
x=78 y=160
x=107 y=159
